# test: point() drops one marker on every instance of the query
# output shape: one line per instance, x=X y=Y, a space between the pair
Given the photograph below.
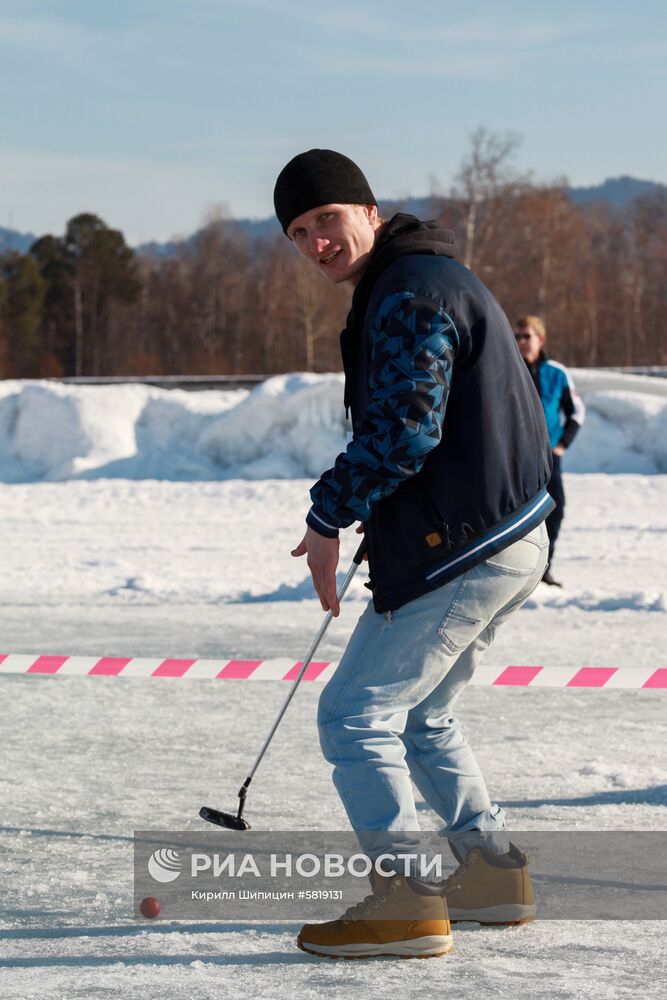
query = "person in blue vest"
x=447 y=472
x=564 y=411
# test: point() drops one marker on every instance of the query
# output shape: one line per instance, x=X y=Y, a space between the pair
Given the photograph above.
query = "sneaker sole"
x=505 y=914
x=425 y=947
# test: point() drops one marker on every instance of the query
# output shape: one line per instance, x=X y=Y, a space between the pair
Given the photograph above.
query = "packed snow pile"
x=291 y=426
x=288 y=427
x=626 y=424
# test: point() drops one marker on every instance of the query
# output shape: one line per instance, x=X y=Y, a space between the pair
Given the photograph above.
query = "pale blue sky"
x=148 y=112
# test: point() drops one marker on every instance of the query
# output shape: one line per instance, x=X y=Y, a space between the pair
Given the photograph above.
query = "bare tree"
x=483 y=184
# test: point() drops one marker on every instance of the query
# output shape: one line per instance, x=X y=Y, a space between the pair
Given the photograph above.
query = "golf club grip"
x=360 y=553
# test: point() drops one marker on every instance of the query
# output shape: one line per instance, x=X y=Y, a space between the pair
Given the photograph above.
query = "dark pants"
x=555 y=488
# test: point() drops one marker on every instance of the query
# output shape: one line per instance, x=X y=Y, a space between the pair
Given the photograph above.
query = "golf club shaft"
x=358 y=557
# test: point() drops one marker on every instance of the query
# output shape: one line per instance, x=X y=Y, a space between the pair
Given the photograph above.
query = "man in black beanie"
x=447 y=473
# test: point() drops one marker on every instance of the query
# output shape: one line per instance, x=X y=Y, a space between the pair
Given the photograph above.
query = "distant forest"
x=225 y=302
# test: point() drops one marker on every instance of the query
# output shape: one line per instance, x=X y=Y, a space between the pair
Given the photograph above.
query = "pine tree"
x=21 y=310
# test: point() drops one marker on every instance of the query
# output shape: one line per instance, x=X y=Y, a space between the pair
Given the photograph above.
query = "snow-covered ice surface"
x=126 y=566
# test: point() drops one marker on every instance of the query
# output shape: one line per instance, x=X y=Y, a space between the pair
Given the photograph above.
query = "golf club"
x=237 y=822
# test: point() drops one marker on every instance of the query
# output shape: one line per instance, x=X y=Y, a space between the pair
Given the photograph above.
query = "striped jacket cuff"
x=320 y=524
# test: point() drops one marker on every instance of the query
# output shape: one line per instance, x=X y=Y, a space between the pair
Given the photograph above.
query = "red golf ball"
x=150 y=907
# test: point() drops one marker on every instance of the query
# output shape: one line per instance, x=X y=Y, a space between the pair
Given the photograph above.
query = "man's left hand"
x=322 y=561
x=559 y=450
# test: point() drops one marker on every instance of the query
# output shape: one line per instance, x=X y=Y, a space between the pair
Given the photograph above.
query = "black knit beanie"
x=318 y=177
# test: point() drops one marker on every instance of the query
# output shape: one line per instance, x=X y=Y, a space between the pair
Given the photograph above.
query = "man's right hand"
x=322 y=561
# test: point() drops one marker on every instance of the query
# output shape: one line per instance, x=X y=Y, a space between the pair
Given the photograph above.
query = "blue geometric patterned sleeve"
x=414 y=346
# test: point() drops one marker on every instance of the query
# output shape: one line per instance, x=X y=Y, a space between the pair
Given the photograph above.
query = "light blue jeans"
x=385 y=717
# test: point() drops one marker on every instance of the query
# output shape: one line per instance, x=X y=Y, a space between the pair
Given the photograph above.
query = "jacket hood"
x=410 y=229
x=402 y=235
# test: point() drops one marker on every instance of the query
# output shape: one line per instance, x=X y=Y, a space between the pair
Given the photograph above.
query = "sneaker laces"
x=368 y=904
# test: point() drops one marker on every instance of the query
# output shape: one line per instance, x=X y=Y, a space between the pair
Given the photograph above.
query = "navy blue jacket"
x=450 y=457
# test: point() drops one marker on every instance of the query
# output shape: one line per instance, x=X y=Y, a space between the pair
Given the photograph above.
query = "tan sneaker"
x=403 y=917
x=491 y=888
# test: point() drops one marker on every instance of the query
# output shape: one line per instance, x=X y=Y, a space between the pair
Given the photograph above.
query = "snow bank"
x=626 y=424
x=50 y=431
x=291 y=426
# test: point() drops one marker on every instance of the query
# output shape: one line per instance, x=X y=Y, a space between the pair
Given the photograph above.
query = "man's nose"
x=318 y=244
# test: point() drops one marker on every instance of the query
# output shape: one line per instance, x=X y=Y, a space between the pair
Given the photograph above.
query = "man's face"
x=336 y=239
x=529 y=343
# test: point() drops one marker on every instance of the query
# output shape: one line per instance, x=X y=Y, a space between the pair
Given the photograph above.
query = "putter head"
x=228 y=820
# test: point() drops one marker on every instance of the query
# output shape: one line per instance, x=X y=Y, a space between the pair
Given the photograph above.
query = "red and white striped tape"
x=286 y=670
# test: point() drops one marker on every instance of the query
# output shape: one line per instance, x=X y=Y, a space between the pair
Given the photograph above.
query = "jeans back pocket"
x=523 y=557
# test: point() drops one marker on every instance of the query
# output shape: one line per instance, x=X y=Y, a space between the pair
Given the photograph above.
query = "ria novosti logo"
x=165 y=865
